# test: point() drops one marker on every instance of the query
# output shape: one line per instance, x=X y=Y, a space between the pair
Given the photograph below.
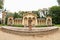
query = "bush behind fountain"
x=17 y=25
x=44 y=25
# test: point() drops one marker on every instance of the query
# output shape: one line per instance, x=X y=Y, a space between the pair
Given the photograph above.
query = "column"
x=27 y=21
x=36 y=21
x=23 y=21
x=17 y=21
x=46 y=21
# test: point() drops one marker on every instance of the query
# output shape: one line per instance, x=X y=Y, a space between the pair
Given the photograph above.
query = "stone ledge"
x=26 y=31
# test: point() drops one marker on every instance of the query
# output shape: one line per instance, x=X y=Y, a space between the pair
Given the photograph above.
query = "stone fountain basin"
x=26 y=29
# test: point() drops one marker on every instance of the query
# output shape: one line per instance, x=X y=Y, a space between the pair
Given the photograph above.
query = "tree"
x=54 y=11
x=16 y=15
x=21 y=13
x=1 y=4
x=36 y=12
x=0 y=20
x=58 y=2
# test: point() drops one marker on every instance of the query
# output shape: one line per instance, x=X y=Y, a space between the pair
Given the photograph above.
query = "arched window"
x=33 y=17
x=49 y=21
x=25 y=18
x=29 y=17
x=10 y=20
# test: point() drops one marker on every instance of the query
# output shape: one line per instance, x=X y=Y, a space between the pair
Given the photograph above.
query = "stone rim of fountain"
x=27 y=32
x=26 y=29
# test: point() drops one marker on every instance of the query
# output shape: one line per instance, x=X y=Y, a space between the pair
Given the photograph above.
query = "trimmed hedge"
x=20 y=25
x=41 y=26
x=3 y=24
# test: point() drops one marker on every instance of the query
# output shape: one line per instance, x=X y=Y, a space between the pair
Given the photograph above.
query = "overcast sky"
x=27 y=5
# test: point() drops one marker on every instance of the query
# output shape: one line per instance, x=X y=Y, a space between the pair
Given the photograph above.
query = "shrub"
x=3 y=24
x=44 y=25
x=20 y=25
x=41 y=26
x=53 y=24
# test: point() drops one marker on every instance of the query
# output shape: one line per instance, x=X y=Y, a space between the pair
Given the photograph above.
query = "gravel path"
x=7 y=36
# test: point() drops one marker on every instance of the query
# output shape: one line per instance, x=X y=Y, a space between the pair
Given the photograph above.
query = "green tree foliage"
x=6 y=19
x=21 y=13
x=16 y=15
x=54 y=11
x=0 y=20
x=1 y=7
x=1 y=4
x=36 y=12
x=58 y=2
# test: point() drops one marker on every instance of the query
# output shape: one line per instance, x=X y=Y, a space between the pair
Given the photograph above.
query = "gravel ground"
x=7 y=36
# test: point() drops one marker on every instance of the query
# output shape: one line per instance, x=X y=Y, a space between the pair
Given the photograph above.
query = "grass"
x=44 y=25
x=19 y=25
x=57 y=25
x=3 y=24
x=41 y=26
x=0 y=24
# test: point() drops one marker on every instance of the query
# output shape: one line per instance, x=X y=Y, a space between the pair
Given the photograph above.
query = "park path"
x=7 y=36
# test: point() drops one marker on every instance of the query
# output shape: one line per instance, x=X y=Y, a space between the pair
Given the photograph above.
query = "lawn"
x=57 y=25
x=0 y=24
x=3 y=25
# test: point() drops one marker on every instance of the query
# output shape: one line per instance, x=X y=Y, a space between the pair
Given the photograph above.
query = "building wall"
x=17 y=21
x=26 y=18
x=10 y=20
x=42 y=22
x=35 y=21
x=48 y=20
x=3 y=17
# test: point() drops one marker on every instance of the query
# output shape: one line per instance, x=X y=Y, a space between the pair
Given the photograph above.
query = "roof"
x=18 y=18
x=42 y=18
x=29 y=13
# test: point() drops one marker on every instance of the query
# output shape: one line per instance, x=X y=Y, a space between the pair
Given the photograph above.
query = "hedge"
x=43 y=25
x=20 y=25
x=40 y=25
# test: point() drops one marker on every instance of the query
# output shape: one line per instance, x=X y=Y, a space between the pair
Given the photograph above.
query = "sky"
x=27 y=5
